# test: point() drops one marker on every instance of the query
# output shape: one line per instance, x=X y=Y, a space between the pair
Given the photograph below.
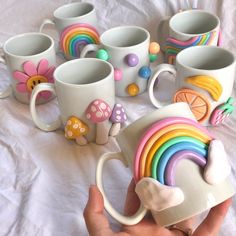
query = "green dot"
x=102 y=54
x=152 y=57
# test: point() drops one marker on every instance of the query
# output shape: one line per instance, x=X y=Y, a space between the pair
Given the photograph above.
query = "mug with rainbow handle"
x=203 y=28
x=76 y=24
x=179 y=168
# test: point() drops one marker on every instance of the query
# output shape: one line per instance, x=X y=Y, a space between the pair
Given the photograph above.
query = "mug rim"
x=187 y=12
x=15 y=37
x=179 y=62
x=121 y=28
x=57 y=15
x=75 y=61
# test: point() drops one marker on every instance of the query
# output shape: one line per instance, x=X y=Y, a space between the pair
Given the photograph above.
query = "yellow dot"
x=154 y=48
x=133 y=89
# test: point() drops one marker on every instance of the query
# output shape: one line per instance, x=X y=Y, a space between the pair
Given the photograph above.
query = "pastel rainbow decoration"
x=174 y=46
x=167 y=142
x=76 y=36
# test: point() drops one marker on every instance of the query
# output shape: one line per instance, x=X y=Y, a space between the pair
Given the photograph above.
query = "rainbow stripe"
x=166 y=143
x=174 y=46
x=76 y=36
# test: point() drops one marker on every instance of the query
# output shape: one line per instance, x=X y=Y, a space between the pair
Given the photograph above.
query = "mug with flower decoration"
x=31 y=60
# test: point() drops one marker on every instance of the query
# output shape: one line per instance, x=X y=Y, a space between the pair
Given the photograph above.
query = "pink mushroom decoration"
x=117 y=117
x=99 y=112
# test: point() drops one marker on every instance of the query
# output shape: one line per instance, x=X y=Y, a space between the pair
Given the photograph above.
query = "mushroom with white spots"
x=117 y=117
x=76 y=129
x=99 y=112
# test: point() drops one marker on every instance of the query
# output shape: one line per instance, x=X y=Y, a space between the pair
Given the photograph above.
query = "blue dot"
x=145 y=72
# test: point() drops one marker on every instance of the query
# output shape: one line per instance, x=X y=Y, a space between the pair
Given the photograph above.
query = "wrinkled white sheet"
x=44 y=179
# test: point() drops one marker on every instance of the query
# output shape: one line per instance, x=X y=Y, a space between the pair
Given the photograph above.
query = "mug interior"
x=193 y=22
x=205 y=58
x=28 y=44
x=125 y=36
x=72 y=10
x=82 y=71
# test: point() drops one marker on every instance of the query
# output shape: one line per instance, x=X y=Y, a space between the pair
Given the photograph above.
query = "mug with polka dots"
x=30 y=59
x=86 y=99
x=129 y=50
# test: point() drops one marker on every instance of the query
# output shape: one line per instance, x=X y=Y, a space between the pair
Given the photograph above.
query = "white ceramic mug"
x=186 y=29
x=76 y=24
x=161 y=149
x=127 y=48
x=30 y=59
x=86 y=97
x=204 y=78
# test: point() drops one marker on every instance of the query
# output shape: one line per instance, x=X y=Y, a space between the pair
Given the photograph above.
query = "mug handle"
x=39 y=123
x=163 y=32
x=126 y=220
x=159 y=69
x=8 y=91
x=44 y=23
x=89 y=48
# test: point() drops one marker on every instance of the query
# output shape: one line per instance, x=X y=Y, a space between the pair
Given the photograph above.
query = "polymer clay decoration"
x=76 y=36
x=98 y=112
x=222 y=112
x=165 y=144
x=174 y=46
x=208 y=83
x=32 y=75
x=197 y=102
x=76 y=129
x=132 y=60
x=118 y=117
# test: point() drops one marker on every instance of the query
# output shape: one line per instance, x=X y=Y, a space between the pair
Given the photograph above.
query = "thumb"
x=211 y=225
x=96 y=221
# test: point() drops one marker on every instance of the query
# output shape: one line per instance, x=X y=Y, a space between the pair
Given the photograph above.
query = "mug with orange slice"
x=204 y=78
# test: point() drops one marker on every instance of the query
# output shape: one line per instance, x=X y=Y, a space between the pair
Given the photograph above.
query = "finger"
x=95 y=219
x=211 y=225
x=132 y=201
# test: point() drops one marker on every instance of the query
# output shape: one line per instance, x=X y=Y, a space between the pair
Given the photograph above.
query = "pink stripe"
x=182 y=43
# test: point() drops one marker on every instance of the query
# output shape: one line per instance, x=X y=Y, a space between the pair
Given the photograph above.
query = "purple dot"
x=118 y=74
x=131 y=59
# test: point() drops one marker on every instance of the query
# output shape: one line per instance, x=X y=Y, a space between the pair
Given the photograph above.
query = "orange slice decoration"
x=197 y=102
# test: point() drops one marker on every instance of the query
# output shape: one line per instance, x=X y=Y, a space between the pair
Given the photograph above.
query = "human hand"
x=98 y=225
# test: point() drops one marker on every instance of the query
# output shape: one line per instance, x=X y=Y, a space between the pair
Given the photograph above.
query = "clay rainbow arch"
x=167 y=142
x=76 y=36
x=174 y=46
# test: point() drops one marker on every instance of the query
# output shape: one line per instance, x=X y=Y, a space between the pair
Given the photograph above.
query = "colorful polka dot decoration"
x=167 y=142
x=132 y=89
x=132 y=59
x=174 y=46
x=76 y=36
x=222 y=112
x=154 y=49
x=102 y=54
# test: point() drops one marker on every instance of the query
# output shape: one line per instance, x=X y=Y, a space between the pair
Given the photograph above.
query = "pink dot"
x=118 y=74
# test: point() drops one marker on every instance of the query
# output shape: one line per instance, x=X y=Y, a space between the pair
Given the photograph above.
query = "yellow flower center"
x=34 y=80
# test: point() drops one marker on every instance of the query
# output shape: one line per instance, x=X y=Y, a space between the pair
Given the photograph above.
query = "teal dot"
x=144 y=72
x=102 y=54
x=152 y=57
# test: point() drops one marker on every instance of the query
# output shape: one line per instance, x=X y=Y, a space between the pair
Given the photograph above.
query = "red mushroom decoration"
x=117 y=118
x=99 y=112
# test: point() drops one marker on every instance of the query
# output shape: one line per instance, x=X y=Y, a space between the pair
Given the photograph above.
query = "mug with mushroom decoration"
x=86 y=97
x=161 y=149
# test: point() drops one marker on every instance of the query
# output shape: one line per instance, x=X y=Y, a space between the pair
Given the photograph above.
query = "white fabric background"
x=44 y=178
